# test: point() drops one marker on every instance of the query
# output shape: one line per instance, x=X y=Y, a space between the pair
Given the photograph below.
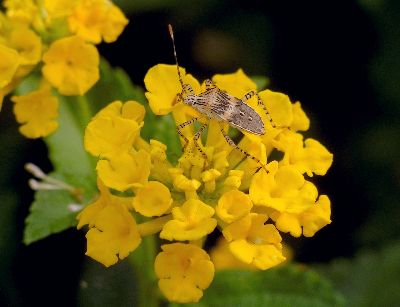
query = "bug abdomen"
x=245 y=117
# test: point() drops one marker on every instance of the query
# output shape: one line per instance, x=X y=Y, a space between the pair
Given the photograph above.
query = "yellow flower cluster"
x=185 y=202
x=55 y=37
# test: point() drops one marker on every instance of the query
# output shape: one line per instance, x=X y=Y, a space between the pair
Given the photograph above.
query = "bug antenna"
x=171 y=33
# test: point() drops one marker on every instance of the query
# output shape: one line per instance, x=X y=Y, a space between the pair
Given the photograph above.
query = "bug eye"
x=250 y=118
x=241 y=113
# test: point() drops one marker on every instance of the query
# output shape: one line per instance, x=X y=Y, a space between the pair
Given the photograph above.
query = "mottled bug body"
x=223 y=107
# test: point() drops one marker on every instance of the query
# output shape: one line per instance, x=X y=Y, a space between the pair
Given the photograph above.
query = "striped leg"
x=188 y=89
x=195 y=139
x=260 y=103
x=183 y=125
x=232 y=143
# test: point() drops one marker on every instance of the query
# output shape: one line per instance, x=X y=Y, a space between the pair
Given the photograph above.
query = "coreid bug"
x=223 y=107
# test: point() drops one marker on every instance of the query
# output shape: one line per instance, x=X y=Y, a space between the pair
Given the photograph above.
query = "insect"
x=221 y=106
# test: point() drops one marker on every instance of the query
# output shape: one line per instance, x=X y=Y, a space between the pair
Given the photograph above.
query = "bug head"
x=190 y=99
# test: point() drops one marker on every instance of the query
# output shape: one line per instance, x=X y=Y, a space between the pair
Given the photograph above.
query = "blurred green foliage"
x=370 y=279
x=285 y=286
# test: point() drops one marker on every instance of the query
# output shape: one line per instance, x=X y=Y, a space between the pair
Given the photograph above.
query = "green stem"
x=142 y=261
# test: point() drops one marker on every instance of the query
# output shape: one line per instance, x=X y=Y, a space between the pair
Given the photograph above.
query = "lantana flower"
x=184 y=271
x=113 y=232
x=58 y=37
x=37 y=111
x=213 y=186
x=71 y=65
x=94 y=20
x=9 y=64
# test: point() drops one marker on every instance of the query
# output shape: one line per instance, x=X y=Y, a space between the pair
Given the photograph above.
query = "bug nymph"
x=223 y=107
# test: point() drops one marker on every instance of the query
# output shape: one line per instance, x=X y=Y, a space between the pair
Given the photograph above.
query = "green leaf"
x=66 y=150
x=49 y=212
x=290 y=285
x=370 y=279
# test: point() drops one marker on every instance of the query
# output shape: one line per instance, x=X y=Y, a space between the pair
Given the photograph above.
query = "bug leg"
x=248 y=96
x=179 y=131
x=232 y=143
x=260 y=103
x=188 y=89
x=195 y=139
x=209 y=84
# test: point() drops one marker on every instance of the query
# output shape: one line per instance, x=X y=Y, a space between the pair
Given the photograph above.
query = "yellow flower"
x=27 y=43
x=279 y=106
x=233 y=205
x=307 y=222
x=261 y=246
x=8 y=65
x=237 y=84
x=114 y=129
x=96 y=19
x=153 y=199
x=60 y=8
x=89 y=213
x=21 y=10
x=283 y=189
x=163 y=85
x=71 y=65
x=308 y=157
x=133 y=110
x=37 y=111
x=114 y=235
x=234 y=180
x=209 y=177
x=160 y=164
x=288 y=196
x=316 y=217
x=223 y=259
x=183 y=184
x=112 y=231
x=192 y=221
x=300 y=120
x=125 y=170
x=213 y=184
x=184 y=271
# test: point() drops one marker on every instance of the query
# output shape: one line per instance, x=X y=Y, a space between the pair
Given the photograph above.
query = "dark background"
x=341 y=59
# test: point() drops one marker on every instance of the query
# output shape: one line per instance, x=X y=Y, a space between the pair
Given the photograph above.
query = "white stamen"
x=35 y=170
x=37 y=185
x=49 y=183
